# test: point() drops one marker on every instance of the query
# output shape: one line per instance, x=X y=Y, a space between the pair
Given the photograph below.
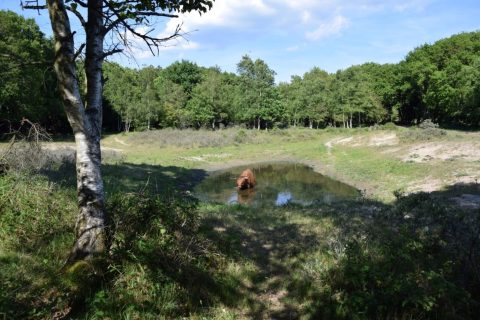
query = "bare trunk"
x=90 y=235
x=310 y=123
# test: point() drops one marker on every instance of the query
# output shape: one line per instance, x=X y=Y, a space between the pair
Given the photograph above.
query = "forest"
x=439 y=81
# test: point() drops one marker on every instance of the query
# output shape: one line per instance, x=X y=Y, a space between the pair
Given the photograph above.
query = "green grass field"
x=396 y=253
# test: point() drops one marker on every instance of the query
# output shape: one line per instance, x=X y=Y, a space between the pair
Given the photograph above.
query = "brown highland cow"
x=246 y=180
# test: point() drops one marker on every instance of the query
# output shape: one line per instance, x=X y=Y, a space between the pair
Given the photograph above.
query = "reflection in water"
x=283 y=198
x=245 y=196
x=277 y=184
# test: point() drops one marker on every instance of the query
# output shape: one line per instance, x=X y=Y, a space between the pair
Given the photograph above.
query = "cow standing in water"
x=246 y=180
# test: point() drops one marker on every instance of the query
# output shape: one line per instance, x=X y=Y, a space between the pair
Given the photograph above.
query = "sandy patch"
x=206 y=157
x=426 y=185
x=389 y=139
x=121 y=141
x=444 y=151
x=391 y=150
x=376 y=140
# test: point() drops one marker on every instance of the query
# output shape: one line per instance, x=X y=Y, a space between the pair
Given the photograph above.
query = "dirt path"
x=273 y=244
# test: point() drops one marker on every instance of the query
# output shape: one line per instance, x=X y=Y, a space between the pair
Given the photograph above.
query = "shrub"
x=409 y=263
x=389 y=126
x=428 y=124
x=159 y=266
x=241 y=136
x=413 y=135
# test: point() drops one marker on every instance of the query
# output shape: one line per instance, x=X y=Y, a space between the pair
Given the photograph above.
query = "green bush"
x=389 y=126
x=408 y=264
x=241 y=136
x=159 y=264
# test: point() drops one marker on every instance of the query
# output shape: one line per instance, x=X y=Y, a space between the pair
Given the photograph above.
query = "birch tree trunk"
x=85 y=120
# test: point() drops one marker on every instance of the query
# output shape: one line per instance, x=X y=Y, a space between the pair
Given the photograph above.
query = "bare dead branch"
x=35 y=7
x=122 y=21
x=119 y=20
x=79 y=51
x=109 y=53
x=24 y=151
x=156 y=14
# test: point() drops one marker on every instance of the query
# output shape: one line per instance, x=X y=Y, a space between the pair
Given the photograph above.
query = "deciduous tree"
x=98 y=18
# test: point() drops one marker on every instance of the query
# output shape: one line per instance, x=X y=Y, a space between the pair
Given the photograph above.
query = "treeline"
x=27 y=79
x=440 y=82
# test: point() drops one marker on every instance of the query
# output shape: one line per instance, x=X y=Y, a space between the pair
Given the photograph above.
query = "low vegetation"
x=405 y=255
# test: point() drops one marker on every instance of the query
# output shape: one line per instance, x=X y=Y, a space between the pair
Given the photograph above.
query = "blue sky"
x=292 y=36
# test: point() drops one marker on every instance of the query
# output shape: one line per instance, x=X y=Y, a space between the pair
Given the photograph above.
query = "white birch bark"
x=85 y=120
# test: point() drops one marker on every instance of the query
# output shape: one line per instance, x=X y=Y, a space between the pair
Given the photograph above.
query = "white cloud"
x=231 y=13
x=235 y=14
x=306 y=16
x=316 y=19
x=328 y=28
x=417 y=5
x=293 y=48
x=354 y=5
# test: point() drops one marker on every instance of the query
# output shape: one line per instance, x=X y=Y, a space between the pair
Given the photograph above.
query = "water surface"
x=277 y=184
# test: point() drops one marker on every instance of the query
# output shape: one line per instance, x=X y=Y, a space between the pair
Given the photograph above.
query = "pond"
x=277 y=184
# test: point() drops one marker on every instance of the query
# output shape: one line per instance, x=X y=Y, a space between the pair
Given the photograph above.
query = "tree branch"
x=79 y=51
x=122 y=19
x=152 y=41
x=78 y=15
x=109 y=53
x=157 y=14
x=34 y=7
x=81 y=3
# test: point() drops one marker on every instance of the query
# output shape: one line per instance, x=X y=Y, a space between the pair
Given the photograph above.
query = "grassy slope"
x=367 y=167
x=254 y=263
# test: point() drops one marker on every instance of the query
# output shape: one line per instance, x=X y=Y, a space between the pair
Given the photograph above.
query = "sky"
x=293 y=36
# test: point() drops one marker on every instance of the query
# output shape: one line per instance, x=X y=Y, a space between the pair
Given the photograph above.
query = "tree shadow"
x=416 y=258
x=130 y=177
x=271 y=244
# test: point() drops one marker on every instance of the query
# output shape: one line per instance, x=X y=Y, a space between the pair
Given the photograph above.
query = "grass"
x=383 y=256
x=370 y=168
